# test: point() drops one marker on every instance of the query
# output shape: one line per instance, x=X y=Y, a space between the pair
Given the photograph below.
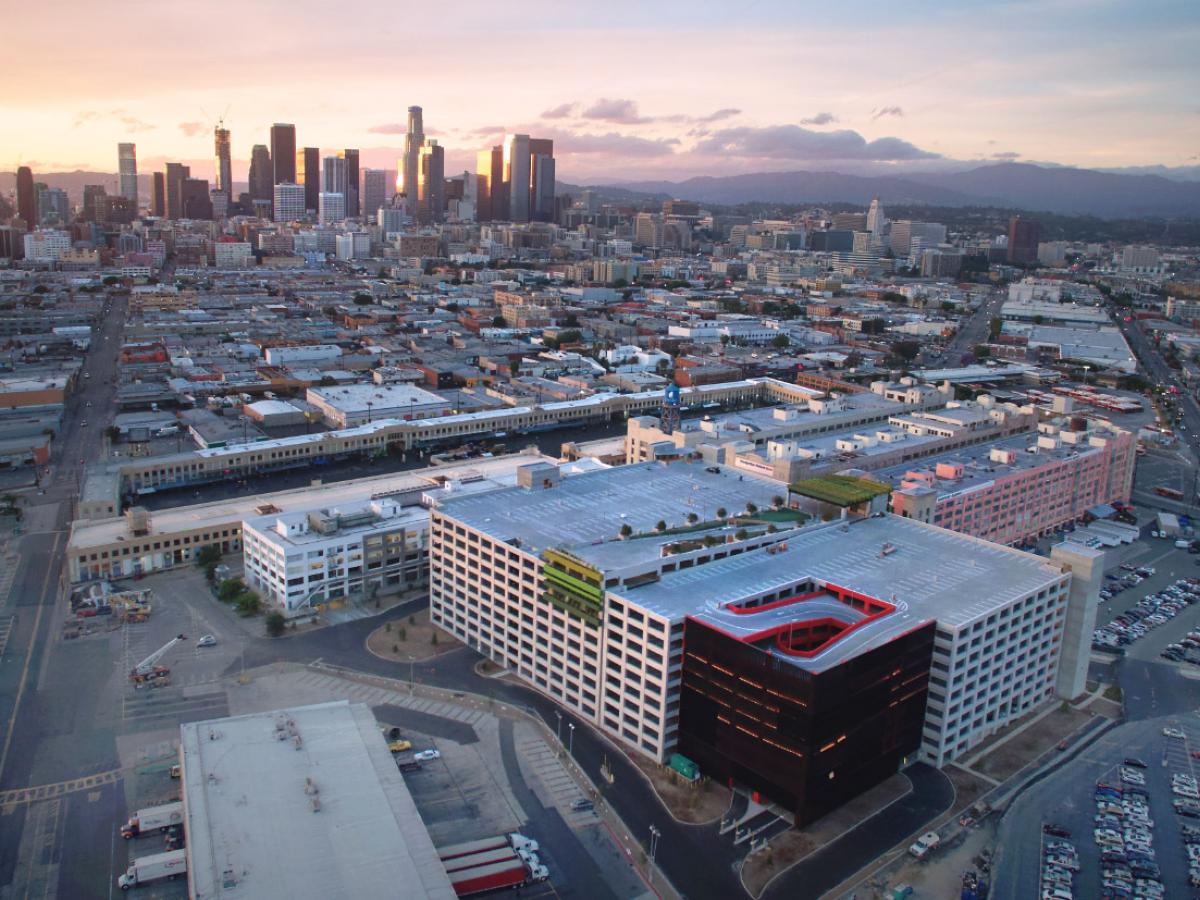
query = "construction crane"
x=147 y=670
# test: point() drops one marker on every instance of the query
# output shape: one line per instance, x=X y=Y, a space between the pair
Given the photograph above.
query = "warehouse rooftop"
x=302 y=802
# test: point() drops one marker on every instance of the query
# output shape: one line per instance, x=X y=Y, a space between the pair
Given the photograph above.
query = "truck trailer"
x=514 y=840
x=146 y=869
x=475 y=860
x=153 y=818
x=510 y=874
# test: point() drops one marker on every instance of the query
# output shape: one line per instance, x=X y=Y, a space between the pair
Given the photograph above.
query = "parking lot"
x=1067 y=800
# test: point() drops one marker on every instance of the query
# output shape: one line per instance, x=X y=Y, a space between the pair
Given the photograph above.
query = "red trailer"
x=487 y=878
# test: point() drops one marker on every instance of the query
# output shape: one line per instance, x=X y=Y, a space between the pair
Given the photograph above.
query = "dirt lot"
x=410 y=639
x=1010 y=757
x=967 y=788
x=784 y=851
x=697 y=804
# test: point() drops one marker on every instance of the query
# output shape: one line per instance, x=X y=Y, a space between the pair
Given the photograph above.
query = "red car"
x=1196 y=754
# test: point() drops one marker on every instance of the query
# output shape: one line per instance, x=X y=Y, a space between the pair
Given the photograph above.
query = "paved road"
x=1158 y=372
x=932 y=794
x=30 y=714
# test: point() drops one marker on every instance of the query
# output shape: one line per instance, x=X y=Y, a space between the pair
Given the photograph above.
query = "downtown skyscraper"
x=308 y=173
x=127 y=171
x=223 y=166
x=27 y=198
x=261 y=174
x=431 y=183
x=410 y=162
x=352 y=176
x=283 y=153
x=515 y=181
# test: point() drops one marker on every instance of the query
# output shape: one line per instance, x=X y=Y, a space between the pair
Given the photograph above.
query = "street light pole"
x=655 y=834
x=571 y=738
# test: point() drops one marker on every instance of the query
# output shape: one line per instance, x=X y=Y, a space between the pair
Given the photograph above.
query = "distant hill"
x=1011 y=185
x=1052 y=189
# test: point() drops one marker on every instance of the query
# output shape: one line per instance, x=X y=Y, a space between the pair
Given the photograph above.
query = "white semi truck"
x=146 y=869
x=153 y=818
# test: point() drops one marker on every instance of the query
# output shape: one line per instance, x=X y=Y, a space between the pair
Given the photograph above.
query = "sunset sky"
x=626 y=90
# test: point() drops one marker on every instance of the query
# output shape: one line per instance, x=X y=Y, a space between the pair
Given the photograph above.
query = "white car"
x=426 y=755
x=207 y=641
x=1172 y=732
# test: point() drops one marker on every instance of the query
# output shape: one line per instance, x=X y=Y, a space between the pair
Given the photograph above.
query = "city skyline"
x=870 y=90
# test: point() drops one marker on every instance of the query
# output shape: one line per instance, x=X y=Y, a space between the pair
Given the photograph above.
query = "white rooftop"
x=302 y=803
x=496 y=471
x=927 y=573
x=355 y=397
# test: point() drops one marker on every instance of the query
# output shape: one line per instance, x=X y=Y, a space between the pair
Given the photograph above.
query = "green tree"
x=982 y=351
x=692 y=518
x=208 y=555
x=363 y=299
x=248 y=604
x=499 y=322
x=722 y=512
x=275 y=623
x=906 y=350
x=777 y=501
x=751 y=509
x=780 y=341
x=626 y=530
x=995 y=326
x=661 y=525
x=113 y=432
x=230 y=590
x=514 y=366
x=110 y=280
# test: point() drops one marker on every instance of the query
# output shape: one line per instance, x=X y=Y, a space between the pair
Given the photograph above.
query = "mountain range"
x=1024 y=186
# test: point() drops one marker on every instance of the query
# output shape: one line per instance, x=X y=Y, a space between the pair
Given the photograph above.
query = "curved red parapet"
x=774 y=604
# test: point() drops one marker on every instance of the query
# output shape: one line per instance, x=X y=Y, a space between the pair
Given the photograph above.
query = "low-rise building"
x=356 y=404
x=301 y=802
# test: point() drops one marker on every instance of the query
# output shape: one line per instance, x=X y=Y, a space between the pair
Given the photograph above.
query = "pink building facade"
x=1012 y=494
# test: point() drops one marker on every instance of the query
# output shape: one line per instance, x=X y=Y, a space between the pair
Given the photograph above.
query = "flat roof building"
x=304 y=802
x=591 y=588
x=357 y=404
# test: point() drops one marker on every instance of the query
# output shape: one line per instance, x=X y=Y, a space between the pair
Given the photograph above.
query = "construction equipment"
x=148 y=670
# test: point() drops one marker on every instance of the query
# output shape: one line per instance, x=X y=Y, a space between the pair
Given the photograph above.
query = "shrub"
x=751 y=509
x=722 y=512
x=626 y=530
x=692 y=518
x=661 y=525
x=275 y=623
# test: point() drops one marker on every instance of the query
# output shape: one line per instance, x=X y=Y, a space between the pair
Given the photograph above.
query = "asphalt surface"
x=932 y=794
x=29 y=712
x=1159 y=373
x=1066 y=798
